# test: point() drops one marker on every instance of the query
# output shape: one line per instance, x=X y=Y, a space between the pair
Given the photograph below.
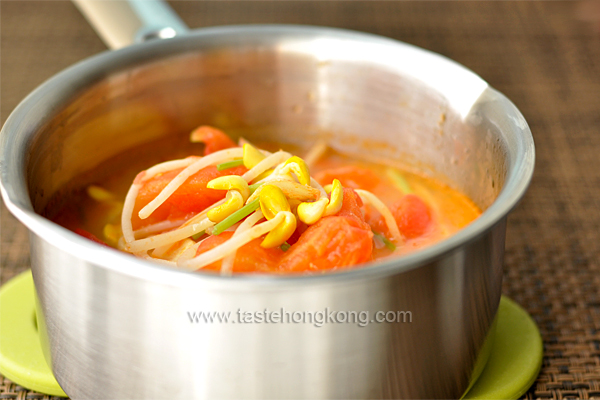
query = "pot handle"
x=124 y=22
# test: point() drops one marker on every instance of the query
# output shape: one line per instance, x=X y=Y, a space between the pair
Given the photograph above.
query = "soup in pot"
x=240 y=208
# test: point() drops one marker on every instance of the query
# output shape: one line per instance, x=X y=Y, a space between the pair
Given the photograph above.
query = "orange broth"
x=431 y=212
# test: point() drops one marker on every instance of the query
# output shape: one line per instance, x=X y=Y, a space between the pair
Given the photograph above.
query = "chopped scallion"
x=230 y=164
x=255 y=186
x=385 y=241
x=285 y=246
x=198 y=235
x=399 y=181
x=236 y=217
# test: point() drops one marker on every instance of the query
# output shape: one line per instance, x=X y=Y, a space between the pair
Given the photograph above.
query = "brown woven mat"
x=545 y=56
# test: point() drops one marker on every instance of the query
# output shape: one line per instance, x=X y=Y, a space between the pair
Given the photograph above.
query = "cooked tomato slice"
x=376 y=220
x=248 y=258
x=214 y=139
x=333 y=242
x=351 y=207
x=301 y=227
x=190 y=198
x=412 y=216
x=341 y=240
x=350 y=176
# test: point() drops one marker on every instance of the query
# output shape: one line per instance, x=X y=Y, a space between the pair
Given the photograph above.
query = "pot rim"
x=52 y=95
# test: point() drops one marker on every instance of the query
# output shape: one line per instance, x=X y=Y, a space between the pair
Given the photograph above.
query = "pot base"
x=513 y=365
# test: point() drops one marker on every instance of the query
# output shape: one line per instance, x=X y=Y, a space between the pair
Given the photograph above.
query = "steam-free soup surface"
x=256 y=211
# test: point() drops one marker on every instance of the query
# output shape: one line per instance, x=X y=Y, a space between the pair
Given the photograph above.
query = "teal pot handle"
x=120 y=23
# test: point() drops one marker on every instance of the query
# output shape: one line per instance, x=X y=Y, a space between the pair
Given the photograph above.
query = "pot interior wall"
x=268 y=93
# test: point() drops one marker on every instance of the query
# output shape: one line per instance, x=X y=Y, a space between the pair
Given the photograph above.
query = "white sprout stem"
x=317 y=185
x=370 y=198
x=172 y=251
x=234 y=243
x=121 y=244
x=282 y=170
x=160 y=251
x=171 y=248
x=168 y=237
x=166 y=225
x=214 y=158
x=190 y=252
x=158 y=227
x=168 y=166
x=250 y=221
x=227 y=264
x=128 y=205
x=269 y=162
x=268 y=178
x=228 y=261
x=291 y=189
x=264 y=181
x=200 y=216
x=185 y=244
x=315 y=153
x=158 y=260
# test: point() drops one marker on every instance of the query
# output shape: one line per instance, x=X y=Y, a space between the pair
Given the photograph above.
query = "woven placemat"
x=545 y=56
x=10 y=390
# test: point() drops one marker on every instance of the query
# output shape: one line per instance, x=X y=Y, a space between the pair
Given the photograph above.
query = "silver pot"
x=114 y=326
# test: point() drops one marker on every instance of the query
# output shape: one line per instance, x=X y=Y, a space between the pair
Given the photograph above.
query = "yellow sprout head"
x=272 y=203
x=237 y=193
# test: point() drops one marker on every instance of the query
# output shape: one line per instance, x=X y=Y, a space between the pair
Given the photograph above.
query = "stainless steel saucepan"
x=114 y=326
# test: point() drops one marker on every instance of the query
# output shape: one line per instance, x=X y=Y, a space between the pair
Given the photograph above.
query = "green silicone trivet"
x=516 y=356
x=21 y=358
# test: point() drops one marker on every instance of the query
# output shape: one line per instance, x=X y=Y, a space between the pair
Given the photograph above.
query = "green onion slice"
x=230 y=164
x=285 y=246
x=399 y=181
x=236 y=217
x=198 y=235
x=385 y=241
x=255 y=186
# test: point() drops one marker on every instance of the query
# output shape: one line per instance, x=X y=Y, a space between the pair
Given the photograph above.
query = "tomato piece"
x=333 y=242
x=412 y=216
x=301 y=227
x=248 y=258
x=341 y=240
x=351 y=207
x=214 y=139
x=376 y=221
x=349 y=176
x=90 y=236
x=190 y=198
